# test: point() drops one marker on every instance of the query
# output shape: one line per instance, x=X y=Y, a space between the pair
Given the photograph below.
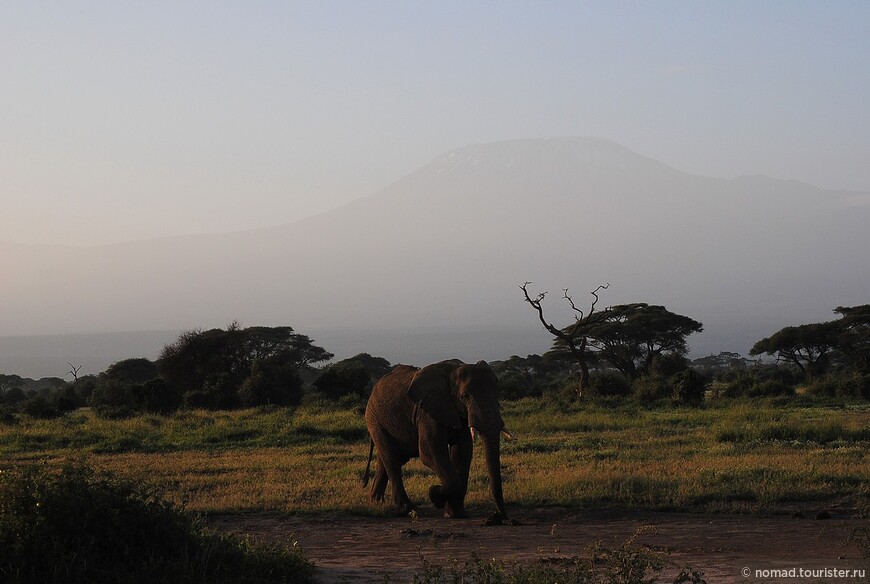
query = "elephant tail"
x=367 y=473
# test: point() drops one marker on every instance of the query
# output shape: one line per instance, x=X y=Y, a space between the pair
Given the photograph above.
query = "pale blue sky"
x=135 y=120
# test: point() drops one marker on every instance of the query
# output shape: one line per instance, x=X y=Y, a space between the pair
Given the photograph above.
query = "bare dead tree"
x=574 y=337
x=74 y=371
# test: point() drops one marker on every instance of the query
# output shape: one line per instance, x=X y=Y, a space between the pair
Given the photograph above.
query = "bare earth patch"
x=364 y=549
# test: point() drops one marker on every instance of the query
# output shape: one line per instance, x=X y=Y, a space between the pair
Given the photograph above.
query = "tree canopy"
x=631 y=336
x=853 y=341
x=211 y=366
x=814 y=347
x=355 y=375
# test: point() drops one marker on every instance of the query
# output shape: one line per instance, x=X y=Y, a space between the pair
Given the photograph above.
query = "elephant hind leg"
x=403 y=503
x=390 y=461
x=379 y=485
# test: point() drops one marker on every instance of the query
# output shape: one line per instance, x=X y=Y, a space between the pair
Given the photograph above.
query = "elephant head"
x=465 y=397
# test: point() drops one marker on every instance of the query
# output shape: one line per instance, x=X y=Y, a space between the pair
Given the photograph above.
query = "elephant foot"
x=404 y=509
x=436 y=495
x=455 y=512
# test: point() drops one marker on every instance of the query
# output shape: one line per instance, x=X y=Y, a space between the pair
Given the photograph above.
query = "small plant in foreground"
x=623 y=565
x=77 y=526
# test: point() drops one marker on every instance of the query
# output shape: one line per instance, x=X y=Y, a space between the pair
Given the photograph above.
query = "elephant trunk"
x=491 y=444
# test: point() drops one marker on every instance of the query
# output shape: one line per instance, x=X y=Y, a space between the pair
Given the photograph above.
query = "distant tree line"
x=831 y=358
x=639 y=350
x=629 y=351
x=211 y=369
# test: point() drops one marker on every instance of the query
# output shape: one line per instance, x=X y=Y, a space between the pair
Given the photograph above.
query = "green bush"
x=770 y=388
x=113 y=399
x=40 y=407
x=757 y=381
x=848 y=385
x=76 y=526
x=130 y=387
x=513 y=386
x=273 y=381
x=668 y=364
x=157 y=396
x=610 y=383
x=353 y=376
x=650 y=388
x=340 y=380
x=688 y=387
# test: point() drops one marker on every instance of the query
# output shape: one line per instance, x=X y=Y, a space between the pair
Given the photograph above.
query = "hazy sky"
x=127 y=120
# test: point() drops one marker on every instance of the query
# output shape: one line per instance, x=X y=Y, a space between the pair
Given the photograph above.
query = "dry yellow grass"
x=737 y=458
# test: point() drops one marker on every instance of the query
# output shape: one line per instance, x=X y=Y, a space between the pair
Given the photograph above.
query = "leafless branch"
x=595 y=294
x=536 y=304
x=574 y=337
x=74 y=371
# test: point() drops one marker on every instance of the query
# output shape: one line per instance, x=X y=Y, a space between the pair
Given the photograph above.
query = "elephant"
x=435 y=413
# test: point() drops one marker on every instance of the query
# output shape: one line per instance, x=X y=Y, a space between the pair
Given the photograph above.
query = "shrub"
x=67 y=400
x=75 y=526
x=340 y=380
x=650 y=388
x=623 y=565
x=132 y=371
x=514 y=386
x=770 y=388
x=157 y=396
x=610 y=383
x=688 y=387
x=668 y=365
x=113 y=399
x=533 y=376
x=354 y=376
x=13 y=396
x=129 y=387
x=39 y=407
x=211 y=366
x=272 y=381
x=848 y=385
x=761 y=380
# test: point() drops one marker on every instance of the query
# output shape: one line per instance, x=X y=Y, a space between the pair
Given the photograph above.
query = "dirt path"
x=364 y=549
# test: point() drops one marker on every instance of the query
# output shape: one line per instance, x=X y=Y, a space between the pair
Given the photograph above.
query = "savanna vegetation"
x=72 y=525
x=760 y=454
x=615 y=415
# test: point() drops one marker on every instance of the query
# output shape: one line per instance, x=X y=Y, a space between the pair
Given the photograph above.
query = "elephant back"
x=389 y=407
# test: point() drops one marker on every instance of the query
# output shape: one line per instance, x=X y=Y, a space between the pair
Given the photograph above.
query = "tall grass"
x=741 y=457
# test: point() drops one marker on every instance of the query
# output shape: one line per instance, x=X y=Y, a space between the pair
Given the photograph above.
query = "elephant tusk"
x=473 y=434
x=507 y=435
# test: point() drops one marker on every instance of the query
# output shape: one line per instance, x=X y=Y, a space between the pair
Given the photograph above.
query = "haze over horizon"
x=437 y=256
x=387 y=166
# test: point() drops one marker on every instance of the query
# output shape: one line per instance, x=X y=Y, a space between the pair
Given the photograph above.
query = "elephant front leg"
x=450 y=494
x=460 y=458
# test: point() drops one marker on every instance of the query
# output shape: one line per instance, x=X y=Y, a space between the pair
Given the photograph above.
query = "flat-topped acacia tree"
x=629 y=337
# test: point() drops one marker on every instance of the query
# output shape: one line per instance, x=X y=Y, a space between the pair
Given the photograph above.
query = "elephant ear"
x=431 y=389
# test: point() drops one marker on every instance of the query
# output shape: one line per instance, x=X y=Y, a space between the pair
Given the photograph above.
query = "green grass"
x=743 y=456
x=83 y=431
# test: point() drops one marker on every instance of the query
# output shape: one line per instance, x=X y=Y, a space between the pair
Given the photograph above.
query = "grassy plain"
x=737 y=456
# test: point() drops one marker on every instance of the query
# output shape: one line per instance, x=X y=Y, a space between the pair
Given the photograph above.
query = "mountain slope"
x=448 y=245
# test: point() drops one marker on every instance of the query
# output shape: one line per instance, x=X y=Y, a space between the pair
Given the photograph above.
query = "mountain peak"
x=558 y=154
